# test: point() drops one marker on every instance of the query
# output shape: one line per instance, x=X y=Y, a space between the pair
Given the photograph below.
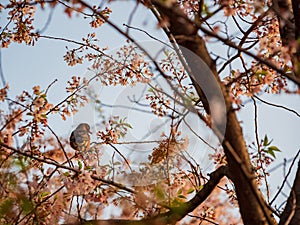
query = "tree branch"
x=175 y=214
x=291 y=213
x=283 y=10
x=43 y=160
x=296 y=12
x=229 y=43
x=288 y=14
x=253 y=207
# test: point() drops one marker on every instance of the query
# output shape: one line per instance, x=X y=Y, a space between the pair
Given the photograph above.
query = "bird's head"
x=84 y=127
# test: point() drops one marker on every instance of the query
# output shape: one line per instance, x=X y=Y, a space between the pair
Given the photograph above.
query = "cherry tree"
x=216 y=57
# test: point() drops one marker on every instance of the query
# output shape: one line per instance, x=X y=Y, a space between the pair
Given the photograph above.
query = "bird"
x=80 y=137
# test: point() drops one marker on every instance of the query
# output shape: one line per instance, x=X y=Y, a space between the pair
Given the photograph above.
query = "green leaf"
x=200 y=187
x=271 y=153
x=181 y=196
x=88 y=168
x=266 y=140
x=127 y=125
x=44 y=194
x=67 y=174
x=190 y=191
x=80 y=165
x=43 y=96
x=179 y=192
x=261 y=72
x=205 y=10
x=274 y=148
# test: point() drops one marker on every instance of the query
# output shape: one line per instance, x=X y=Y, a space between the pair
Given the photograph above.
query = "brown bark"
x=291 y=213
x=252 y=206
x=288 y=14
x=296 y=12
x=283 y=10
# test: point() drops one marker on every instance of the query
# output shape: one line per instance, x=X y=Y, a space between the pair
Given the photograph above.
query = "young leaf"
x=181 y=196
x=190 y=191
x=44 y=194
x=67 y=174
x=80 y=165
x=89 y=168
x=271 y=150
x=179 y=192
x=274 y=148
x=200 y=187
x=266 y=141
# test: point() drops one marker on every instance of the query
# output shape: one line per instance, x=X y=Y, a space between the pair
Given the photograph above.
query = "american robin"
x=80 y=137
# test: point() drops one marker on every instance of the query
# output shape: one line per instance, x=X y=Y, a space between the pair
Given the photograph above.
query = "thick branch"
x=283 y=10
x=291 y=213
x=288 y=14
x=293 y=77
x=296 y=11
x=252 y=206
x=175 y=214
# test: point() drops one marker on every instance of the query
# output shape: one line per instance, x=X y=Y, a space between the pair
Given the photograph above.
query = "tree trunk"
x=252 y=205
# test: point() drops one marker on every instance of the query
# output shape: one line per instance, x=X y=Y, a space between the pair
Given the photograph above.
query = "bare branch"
x=278 y=106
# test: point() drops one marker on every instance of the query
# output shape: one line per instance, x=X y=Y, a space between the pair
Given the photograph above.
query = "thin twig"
x=126 y=161
x=149 y=35
x=39 y=159
x=278 y=106
x=286 y=177
x=198 y=136
x=258 y=148
x=61 y=146
x=203 y=218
